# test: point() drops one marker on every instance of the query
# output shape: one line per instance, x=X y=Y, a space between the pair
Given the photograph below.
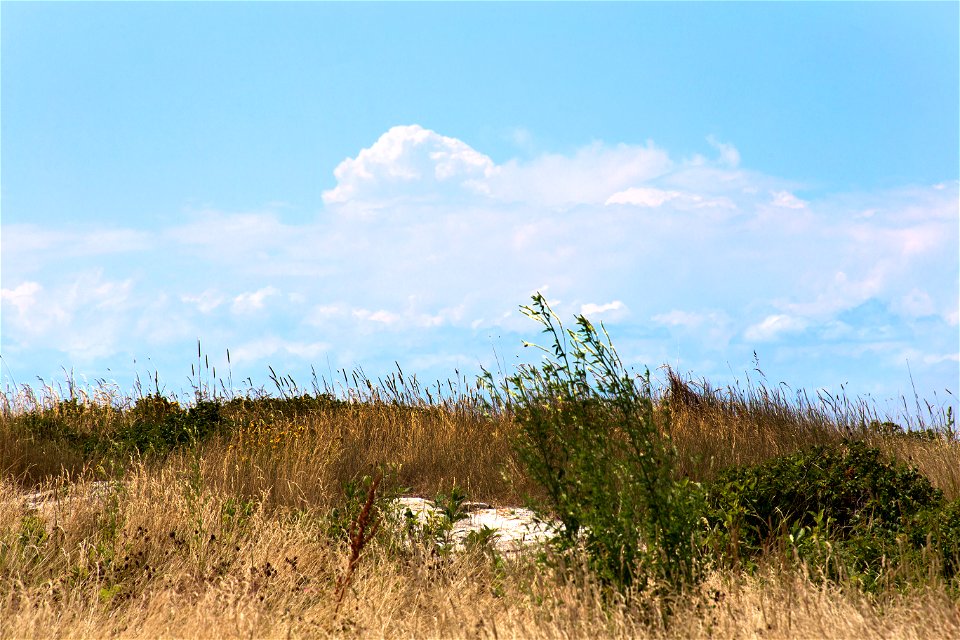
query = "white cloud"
x=22 y=297
x=651 y=197
x=592 y=310
x=643 y=197
x=590 y=176
x=28 y=248
x=711 y=330
x=410 y=162
x=715 y=272
x=253 y=300
x=787 y=200
x=678 y=318
x=404 y=155
x=324 y=312
x=916 y=303
x=773 y=327
x=729 y=156
x=937 y=358
x=206 y=301
x=81 y=316
x=241 y=242
x=380 y=316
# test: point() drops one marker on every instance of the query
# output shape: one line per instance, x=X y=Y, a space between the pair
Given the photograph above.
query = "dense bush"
x=160 y=426
x=844 y=509
x=72 y=423
x=154 y=425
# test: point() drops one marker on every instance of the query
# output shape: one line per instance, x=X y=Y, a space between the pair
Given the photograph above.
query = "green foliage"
x=355 y=492
x=589 y=437
x=451 y=505
x=153 y=426
x=437 y=529
x=235 y=513
x=482 y=540
x=843 y=509
x=939 y=529
x=850 y=484
x=160 y=426
x=894 y=430
x=69 y=422
x=33 y=531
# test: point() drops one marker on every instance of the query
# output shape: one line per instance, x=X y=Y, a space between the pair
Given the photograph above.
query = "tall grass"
x=224 y=514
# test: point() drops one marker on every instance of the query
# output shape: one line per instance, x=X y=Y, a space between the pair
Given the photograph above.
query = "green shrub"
x=69 y=422
x=843 y=509
x=851 y=484
x=588 y=436
x=159 y=426
x=940 y=530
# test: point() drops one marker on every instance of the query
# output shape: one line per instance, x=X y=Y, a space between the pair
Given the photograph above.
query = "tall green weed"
x=589 y=436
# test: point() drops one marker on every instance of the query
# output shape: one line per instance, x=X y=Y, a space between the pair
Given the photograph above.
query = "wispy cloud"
x=251 y=301
x=610 y=309
x=774 y=327
x=729 y=156
x=787 y=200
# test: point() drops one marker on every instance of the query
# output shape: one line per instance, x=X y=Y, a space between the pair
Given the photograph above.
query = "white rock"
x=516 y=528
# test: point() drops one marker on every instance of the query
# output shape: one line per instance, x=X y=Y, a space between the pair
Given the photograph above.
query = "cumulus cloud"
x=414 y=163
x=407 y=155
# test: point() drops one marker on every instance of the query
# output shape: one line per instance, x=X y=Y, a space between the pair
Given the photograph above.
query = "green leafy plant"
x=432 y=529
x=482 y=541
x=166 y=428
x=590 y=436
x=341 y=518
x=843 y=508
x=851 y=484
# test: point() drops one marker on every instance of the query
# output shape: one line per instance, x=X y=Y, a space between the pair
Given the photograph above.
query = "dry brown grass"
x=232 y=539
x=178 y=569
x=307 y=460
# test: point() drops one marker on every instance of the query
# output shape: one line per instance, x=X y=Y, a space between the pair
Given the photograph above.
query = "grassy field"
x=259 y=516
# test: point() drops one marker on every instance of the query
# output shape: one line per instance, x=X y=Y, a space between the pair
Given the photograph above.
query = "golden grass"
x=231 y=540
x=179 y=569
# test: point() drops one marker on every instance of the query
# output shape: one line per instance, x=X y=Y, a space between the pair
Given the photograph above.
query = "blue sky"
x=344 y=185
